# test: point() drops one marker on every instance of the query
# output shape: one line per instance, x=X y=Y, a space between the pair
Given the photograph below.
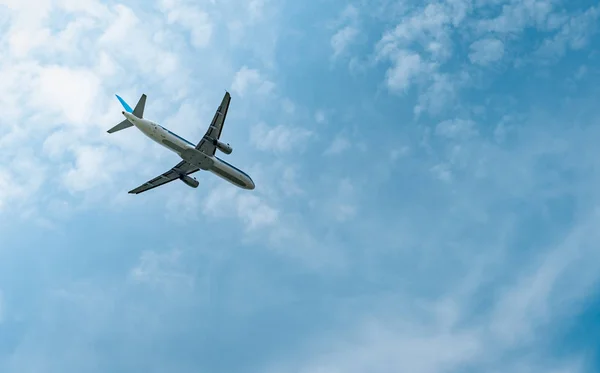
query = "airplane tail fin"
x=138 y=111
x=139 y=107
x=125 y=105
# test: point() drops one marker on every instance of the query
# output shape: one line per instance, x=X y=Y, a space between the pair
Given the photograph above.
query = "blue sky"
x=426 y=201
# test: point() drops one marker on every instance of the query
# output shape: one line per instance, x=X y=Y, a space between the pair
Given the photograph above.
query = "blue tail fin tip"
x=125 y=105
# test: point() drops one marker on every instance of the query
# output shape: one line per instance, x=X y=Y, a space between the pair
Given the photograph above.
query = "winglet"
x=125 y=105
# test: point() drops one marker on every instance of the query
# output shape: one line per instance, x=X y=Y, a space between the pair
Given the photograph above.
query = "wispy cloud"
x=342 y=39
x=417 y=47
x=195 y=20
x=347 y=31
x=338 y=145
x=247 y=78
x=574 y=34
x=486 y=51
x=279 y=138
x=161 y=269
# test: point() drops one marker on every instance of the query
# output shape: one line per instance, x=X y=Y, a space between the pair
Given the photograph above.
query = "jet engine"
x=189 y=181
x=225 y=148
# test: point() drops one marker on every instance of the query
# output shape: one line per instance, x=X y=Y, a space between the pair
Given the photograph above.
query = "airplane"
x=195 y=157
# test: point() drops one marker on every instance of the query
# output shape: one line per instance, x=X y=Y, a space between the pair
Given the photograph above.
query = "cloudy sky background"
x=427 y=187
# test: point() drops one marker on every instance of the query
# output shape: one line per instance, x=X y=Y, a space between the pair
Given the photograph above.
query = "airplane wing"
x=167 y=177
x=206 y=145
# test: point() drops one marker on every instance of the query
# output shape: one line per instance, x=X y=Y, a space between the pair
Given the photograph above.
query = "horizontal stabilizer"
x=121 y=126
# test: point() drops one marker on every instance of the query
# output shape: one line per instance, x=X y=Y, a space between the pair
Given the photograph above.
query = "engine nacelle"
x=225 y=148
x=189 y=181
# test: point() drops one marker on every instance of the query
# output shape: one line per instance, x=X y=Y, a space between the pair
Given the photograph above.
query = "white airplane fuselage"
x=188 y=152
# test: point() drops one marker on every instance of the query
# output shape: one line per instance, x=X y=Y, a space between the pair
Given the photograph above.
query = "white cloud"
x=416 y=49
x=163 y=270
x=574 y=34
x=348 y=30
x=337 y=146
x=15 y=78
x=486 y=51
x=149 y=57
x=439 y=333
x=406 y=69
x=441 y=92
x=349 y=14
x=289 y=182
x=442 y=172
x=397 y=153
x=581 y=72
x=196 y=21
x=23 y=178
x=320 y=117
x=342 y=39
x=92 y=168
x=517 y=15
x=254 y=212
x=427 y=28
x=219 y=201
x=343 y=206
x=456 y=129
x=420 y=46
x=2 y=312
x=550 y=287
x=247 y=78
x=380 y=348
x=345 y=212
x=382 y=345
x=288 y=106
x=294 y=239
x=22 y=41
x=6 y=187
x=25 y=32
x=256 y=9
x=280 y=138
x=71 y=93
